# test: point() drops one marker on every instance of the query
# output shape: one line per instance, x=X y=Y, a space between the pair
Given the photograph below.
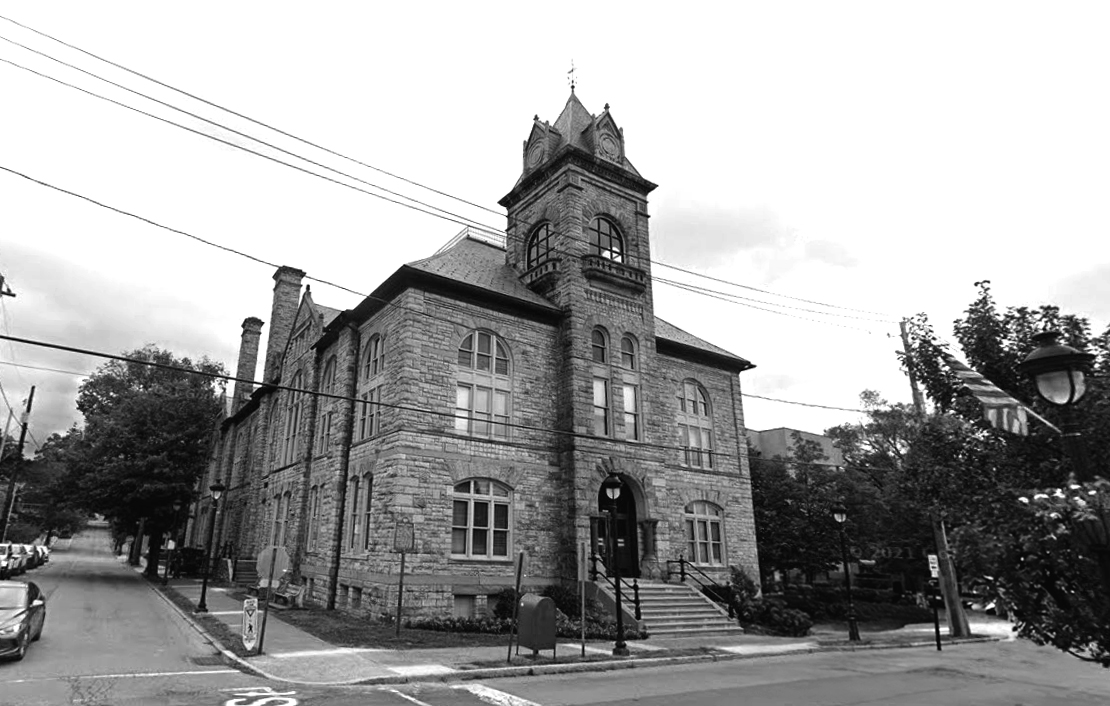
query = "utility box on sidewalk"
x=536 y=623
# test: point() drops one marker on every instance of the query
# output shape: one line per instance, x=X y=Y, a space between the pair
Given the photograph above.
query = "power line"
x=452 y=218
x=435 y=413
x=250 y=119
x=803 y=404
x=477 y=224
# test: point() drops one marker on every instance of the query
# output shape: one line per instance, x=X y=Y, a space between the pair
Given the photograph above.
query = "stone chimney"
x=287 y=296
x=248 y=361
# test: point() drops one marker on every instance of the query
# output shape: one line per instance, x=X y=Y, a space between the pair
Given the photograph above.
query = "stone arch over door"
x=631 y=512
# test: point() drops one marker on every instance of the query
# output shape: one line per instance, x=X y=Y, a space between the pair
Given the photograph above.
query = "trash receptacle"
x=536 y=623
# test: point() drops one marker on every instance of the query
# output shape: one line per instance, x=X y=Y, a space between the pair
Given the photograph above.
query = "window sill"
x=481 y=561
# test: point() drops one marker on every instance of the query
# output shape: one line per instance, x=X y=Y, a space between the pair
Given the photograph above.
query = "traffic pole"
x=266 y=605
x=10 y=503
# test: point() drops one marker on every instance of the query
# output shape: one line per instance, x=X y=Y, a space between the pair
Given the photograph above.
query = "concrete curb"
x=548 y=669
x=212 y=640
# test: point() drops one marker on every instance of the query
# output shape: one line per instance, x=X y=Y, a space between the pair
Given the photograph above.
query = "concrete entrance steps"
x=679 y=610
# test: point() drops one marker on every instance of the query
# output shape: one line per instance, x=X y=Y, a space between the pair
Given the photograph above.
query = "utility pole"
x=16 y=462
x=957 y=618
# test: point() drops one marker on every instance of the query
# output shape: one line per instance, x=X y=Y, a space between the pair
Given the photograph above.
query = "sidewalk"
x=293 y=655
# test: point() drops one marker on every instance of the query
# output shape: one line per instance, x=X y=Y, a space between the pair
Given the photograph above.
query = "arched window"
x=292 y=420
x=539 y=245
x=313 y=516
x=374 y=362
x=483 y=396
x=628 y=353
x=371 y=385
x=327 y=414
x=705 y=533
x=481 y=519
x=695 y=425
x=599 y=345
x=605 y=239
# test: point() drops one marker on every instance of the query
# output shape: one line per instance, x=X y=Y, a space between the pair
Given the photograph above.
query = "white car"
x=12 y=560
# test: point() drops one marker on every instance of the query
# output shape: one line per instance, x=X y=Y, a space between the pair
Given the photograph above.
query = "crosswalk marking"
x=493 y=696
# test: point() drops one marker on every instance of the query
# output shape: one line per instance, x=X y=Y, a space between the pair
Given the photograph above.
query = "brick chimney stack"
x=248 y=361
x=287 y=296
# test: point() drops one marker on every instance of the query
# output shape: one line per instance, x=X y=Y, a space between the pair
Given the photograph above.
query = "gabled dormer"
x=308 y=325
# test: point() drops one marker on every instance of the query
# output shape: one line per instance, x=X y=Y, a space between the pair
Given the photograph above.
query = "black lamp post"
x=841 y=515
x=612 y=486
x=1059 y=372
x=173 y=538
x=217 y=489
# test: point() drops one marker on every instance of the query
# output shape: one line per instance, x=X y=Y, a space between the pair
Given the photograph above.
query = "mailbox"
x=536 y=623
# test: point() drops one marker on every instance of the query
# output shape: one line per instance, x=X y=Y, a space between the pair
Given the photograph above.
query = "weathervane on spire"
x=571 y=78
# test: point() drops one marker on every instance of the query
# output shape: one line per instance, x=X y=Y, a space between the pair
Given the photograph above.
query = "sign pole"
x=934 y=597
x=266 y=605
x=516 y=604
x=400 y=594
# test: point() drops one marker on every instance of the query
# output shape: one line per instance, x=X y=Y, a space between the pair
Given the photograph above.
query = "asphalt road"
x=112 y=641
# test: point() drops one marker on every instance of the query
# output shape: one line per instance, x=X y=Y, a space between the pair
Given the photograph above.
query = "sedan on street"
x=22 y=617
x=12 y=560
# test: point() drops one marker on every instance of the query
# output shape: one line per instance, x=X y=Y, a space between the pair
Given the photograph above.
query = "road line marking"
x=132 y=675
x=321 y=653
x=493 y=696
x=403 y=695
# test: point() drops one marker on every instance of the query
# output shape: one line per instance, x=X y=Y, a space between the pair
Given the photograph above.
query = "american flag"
x=1000 y=409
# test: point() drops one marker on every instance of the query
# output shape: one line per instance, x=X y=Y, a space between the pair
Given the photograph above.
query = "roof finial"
x=571 y=77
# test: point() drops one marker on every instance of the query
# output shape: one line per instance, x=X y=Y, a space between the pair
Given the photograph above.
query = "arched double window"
x=483 y=395
x=705 y=533
x=292 y=420
x=630 y=388
x=605 y=239
x=695 y=425
x=602 y=403
x=371 y=384
x=481 y=519
x=327 y=413
x=540 y=245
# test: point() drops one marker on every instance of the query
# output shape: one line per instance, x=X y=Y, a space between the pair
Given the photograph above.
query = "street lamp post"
x=841 y=515
x=217 y=490
x=612 y=486
x=1059 y=372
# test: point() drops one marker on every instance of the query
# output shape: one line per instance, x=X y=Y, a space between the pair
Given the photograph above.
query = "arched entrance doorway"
x=626 y=552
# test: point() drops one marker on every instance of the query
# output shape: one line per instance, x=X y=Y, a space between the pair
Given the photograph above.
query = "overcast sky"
x=871 y=156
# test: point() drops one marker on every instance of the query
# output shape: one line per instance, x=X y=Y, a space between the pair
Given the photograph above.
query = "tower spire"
x=571 y=78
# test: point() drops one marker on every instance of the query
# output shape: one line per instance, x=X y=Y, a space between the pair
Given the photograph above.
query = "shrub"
x=567 y=599
x=503 y=603
x=771 y=616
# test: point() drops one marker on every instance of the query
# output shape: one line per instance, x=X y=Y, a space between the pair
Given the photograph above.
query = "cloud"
x=829 y=252
x=702 y=235
x=1088 y=294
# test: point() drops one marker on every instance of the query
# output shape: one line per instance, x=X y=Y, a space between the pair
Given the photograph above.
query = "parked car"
x=15 y=559
x=31 y=554
x=22 y=617
x=44 y=553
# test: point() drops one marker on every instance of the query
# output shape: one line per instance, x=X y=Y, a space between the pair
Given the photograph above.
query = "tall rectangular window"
x=368 y=489
x=353 y=534
x=601 y=407
x=631 y=411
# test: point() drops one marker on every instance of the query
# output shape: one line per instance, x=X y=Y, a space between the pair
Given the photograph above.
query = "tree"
x=47 y=499
x=145 y=442
x=1026 y=552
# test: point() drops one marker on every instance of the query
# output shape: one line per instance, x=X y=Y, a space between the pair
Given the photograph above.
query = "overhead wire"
x=483 y=227
x=420 y=410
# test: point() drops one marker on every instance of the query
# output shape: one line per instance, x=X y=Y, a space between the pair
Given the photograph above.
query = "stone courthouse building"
x=479 y=397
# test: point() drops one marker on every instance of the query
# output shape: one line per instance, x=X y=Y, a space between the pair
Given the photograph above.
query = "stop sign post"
x=270 y=560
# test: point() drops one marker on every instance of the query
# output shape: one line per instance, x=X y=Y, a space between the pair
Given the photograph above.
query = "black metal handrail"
x=708 y=586
x=634 y=586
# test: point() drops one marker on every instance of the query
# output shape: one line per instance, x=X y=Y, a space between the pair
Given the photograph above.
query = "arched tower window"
x=695 y=425
x=599 y=345
x=540 y=245
x=483 y=395
x=371 y=384
x=628 y=353
x=606 y=240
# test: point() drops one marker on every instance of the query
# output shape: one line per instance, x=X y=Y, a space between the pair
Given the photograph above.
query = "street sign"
x=404 y=536
x=280 y=562
x=934 y=565
x=250 y=623
x=171 y=545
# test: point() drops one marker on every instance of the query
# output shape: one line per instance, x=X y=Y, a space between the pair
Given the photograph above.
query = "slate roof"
x=327 y=313
x=482 y=264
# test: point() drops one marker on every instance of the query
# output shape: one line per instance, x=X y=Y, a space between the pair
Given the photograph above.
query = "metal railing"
x=634 y=587
x=706 y=583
